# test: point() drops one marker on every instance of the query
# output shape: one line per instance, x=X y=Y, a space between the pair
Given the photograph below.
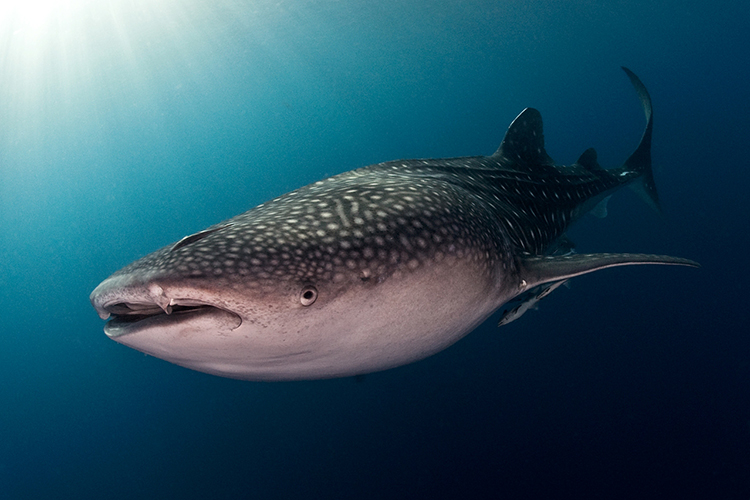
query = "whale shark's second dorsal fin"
x=524 y=141
x=588 y=160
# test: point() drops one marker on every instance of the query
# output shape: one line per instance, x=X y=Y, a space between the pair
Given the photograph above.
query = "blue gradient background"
x=125 y=125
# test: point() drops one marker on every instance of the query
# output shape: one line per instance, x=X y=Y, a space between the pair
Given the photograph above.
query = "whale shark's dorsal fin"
x=588 y=160
x=536 y=271
x=524 y=141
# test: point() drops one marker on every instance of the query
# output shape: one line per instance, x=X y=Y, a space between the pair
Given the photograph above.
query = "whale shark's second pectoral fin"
x=536 y=271
x=526 y=301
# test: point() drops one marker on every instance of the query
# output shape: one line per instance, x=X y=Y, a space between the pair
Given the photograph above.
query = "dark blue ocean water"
x=125 y=125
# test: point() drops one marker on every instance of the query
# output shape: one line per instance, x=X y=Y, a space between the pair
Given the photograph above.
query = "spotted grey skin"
x=372 y=268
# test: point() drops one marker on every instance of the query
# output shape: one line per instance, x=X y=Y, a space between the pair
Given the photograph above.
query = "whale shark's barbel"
x=372 y=268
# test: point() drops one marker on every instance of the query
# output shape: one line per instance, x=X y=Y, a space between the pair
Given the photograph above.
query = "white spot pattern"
x=393 y=218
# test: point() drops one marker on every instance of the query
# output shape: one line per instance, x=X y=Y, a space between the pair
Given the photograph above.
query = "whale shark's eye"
x=308 y=295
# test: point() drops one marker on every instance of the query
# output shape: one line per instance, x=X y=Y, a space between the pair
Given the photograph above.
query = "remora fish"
x=373 y=268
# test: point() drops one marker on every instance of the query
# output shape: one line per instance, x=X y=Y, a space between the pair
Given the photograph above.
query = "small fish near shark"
x=372 y=268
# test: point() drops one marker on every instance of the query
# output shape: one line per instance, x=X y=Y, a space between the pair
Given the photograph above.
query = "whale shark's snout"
x=129 y=295
x=135 y=304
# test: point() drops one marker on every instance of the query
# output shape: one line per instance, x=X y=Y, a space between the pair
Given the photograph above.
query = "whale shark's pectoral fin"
x=542 y=275
x=526 y=301
x=537 y=271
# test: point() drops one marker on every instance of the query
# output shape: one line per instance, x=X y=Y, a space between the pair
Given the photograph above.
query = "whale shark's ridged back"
x=363 y=225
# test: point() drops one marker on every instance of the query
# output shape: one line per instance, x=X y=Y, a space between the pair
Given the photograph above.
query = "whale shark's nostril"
x=156 y=293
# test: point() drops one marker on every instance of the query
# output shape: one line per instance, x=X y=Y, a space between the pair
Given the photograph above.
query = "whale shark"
x=376 y=267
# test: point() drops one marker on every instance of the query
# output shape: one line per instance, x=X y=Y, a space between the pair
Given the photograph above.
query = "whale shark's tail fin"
x=640 y=160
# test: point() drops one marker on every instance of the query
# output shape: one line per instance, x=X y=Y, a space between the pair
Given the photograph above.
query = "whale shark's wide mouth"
x=128 y=318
